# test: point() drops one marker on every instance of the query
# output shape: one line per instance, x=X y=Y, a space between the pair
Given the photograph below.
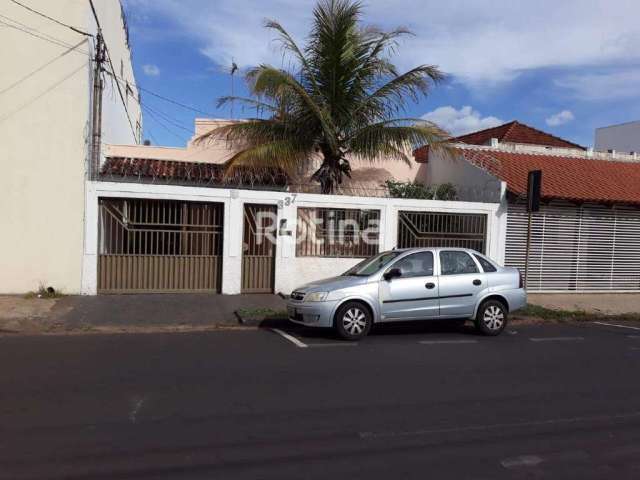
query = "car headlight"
x=315 y=297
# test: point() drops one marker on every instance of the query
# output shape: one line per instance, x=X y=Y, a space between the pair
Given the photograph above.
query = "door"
x=159 y=246
x=259 y=248
x=460 y=283
x=439 y=229
x=414 y=294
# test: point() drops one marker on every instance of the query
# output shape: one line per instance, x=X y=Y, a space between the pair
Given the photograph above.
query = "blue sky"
x=565 y=67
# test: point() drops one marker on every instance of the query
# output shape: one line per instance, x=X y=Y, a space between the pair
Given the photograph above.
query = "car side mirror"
x=392 y=273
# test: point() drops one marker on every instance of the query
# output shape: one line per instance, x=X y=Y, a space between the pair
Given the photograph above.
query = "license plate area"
x=294 y=314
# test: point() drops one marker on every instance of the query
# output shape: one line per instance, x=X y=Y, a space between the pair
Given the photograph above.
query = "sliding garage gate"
x=159 y=246
x=435 y=229
x=577 y=248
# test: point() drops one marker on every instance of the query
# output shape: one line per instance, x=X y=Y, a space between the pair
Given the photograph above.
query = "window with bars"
x=337 y=232
x=439 y=229
x=160 y=227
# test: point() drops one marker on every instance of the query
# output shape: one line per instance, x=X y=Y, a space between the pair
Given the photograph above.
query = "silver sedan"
x=411 y=284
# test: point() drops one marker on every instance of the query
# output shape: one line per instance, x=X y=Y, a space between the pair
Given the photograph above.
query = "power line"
x=52 y=19
x=40 y=68
x=42 y=36
x=106 y=48
x=175 y=102
x=166 y=99
x=168 y=119
x=159 y=122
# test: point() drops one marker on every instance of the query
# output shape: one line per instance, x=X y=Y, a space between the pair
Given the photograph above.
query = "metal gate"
x=159 y=246
x=259 y=248
x=577 y=248
x=435 y=229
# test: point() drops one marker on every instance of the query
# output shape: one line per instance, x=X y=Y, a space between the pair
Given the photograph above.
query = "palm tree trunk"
x=328 y=175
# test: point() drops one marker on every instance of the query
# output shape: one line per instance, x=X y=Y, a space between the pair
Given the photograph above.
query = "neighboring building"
x=624 y=137
x=586 y=236
x=46 y=85
x=367 y=177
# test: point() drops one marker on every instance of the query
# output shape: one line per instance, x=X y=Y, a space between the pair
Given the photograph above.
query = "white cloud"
x=459 y=122
x=151 y=70
x=479 y=42
x=560 y=118
x=613 y=85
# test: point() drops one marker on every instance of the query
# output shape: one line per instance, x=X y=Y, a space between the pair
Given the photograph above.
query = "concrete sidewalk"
x=599 y=303
x=164 y=309
x=121 y=312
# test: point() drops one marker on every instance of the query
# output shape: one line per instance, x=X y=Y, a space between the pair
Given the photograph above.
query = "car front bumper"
x=313 y=314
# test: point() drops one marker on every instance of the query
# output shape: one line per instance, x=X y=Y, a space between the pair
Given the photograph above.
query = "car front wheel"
x=491 y=318
x=353 y=321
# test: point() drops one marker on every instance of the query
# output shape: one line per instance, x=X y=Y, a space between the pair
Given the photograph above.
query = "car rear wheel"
x=491 y=318
x=353 y=321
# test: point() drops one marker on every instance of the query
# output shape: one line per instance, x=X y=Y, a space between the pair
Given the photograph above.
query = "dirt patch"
x=20 y=314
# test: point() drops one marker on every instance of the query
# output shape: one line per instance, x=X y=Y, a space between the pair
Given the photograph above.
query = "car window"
x=456 y=262
x=486 y=265
x=371 y=265
x=416 y=265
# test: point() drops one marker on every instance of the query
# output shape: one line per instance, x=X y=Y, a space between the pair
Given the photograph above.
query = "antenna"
x=234 y=68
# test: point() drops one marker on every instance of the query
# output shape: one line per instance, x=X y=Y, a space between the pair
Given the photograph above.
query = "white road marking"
x=556 y=339
x=344 y=344
x=291 y=338
x=522 y=461
x=445 y=342
x=634 y=337
x=616 y=325
x=497 y=426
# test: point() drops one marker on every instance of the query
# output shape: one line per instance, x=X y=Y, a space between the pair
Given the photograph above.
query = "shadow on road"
x=407 y=328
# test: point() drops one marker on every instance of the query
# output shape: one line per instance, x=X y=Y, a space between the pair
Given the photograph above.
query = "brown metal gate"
x=435 y=229
x=159 y=246
x=259 y=248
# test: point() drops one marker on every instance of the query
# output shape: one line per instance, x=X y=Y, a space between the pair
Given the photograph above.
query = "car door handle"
x=477 y=282
x=430 y=285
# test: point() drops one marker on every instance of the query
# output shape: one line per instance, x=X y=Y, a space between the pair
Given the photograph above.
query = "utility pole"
x=534 y=191
x=96 y=112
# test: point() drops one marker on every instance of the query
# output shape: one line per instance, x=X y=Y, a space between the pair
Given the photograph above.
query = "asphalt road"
x=415 y=402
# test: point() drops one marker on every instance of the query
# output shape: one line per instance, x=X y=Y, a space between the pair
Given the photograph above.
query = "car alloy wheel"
x=354 y=321
x=493 y=317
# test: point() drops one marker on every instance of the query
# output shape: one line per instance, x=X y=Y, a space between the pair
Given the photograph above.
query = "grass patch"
x=44 y=292
x=537 y=311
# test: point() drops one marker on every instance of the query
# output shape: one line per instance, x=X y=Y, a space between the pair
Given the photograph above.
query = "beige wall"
x=44 y=127
x=366 y=175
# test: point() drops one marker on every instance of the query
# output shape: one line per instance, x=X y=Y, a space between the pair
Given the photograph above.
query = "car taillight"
x=521 y=282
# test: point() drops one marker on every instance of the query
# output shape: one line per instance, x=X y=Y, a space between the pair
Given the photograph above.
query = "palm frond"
x=392 y=96
x=274 y=82
x=395 y=139
x=282 y=154
x=291 y=46
x=249 y=102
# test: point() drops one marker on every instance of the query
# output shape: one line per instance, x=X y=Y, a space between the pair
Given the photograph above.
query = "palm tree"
x=342 y=100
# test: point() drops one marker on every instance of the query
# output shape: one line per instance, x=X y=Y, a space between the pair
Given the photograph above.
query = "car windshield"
x=371 y=265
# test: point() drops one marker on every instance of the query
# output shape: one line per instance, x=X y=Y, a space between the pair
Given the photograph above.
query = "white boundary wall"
x=291 y=271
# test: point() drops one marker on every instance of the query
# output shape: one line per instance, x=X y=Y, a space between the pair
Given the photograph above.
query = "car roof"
x=436 y=249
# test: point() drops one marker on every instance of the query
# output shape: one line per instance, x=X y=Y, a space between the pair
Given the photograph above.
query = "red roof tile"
x=567 y=178
x=512 y=132
x=516 y=132
x=196 y=172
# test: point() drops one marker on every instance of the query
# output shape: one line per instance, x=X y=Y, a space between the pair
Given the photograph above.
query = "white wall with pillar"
x=290 y=270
